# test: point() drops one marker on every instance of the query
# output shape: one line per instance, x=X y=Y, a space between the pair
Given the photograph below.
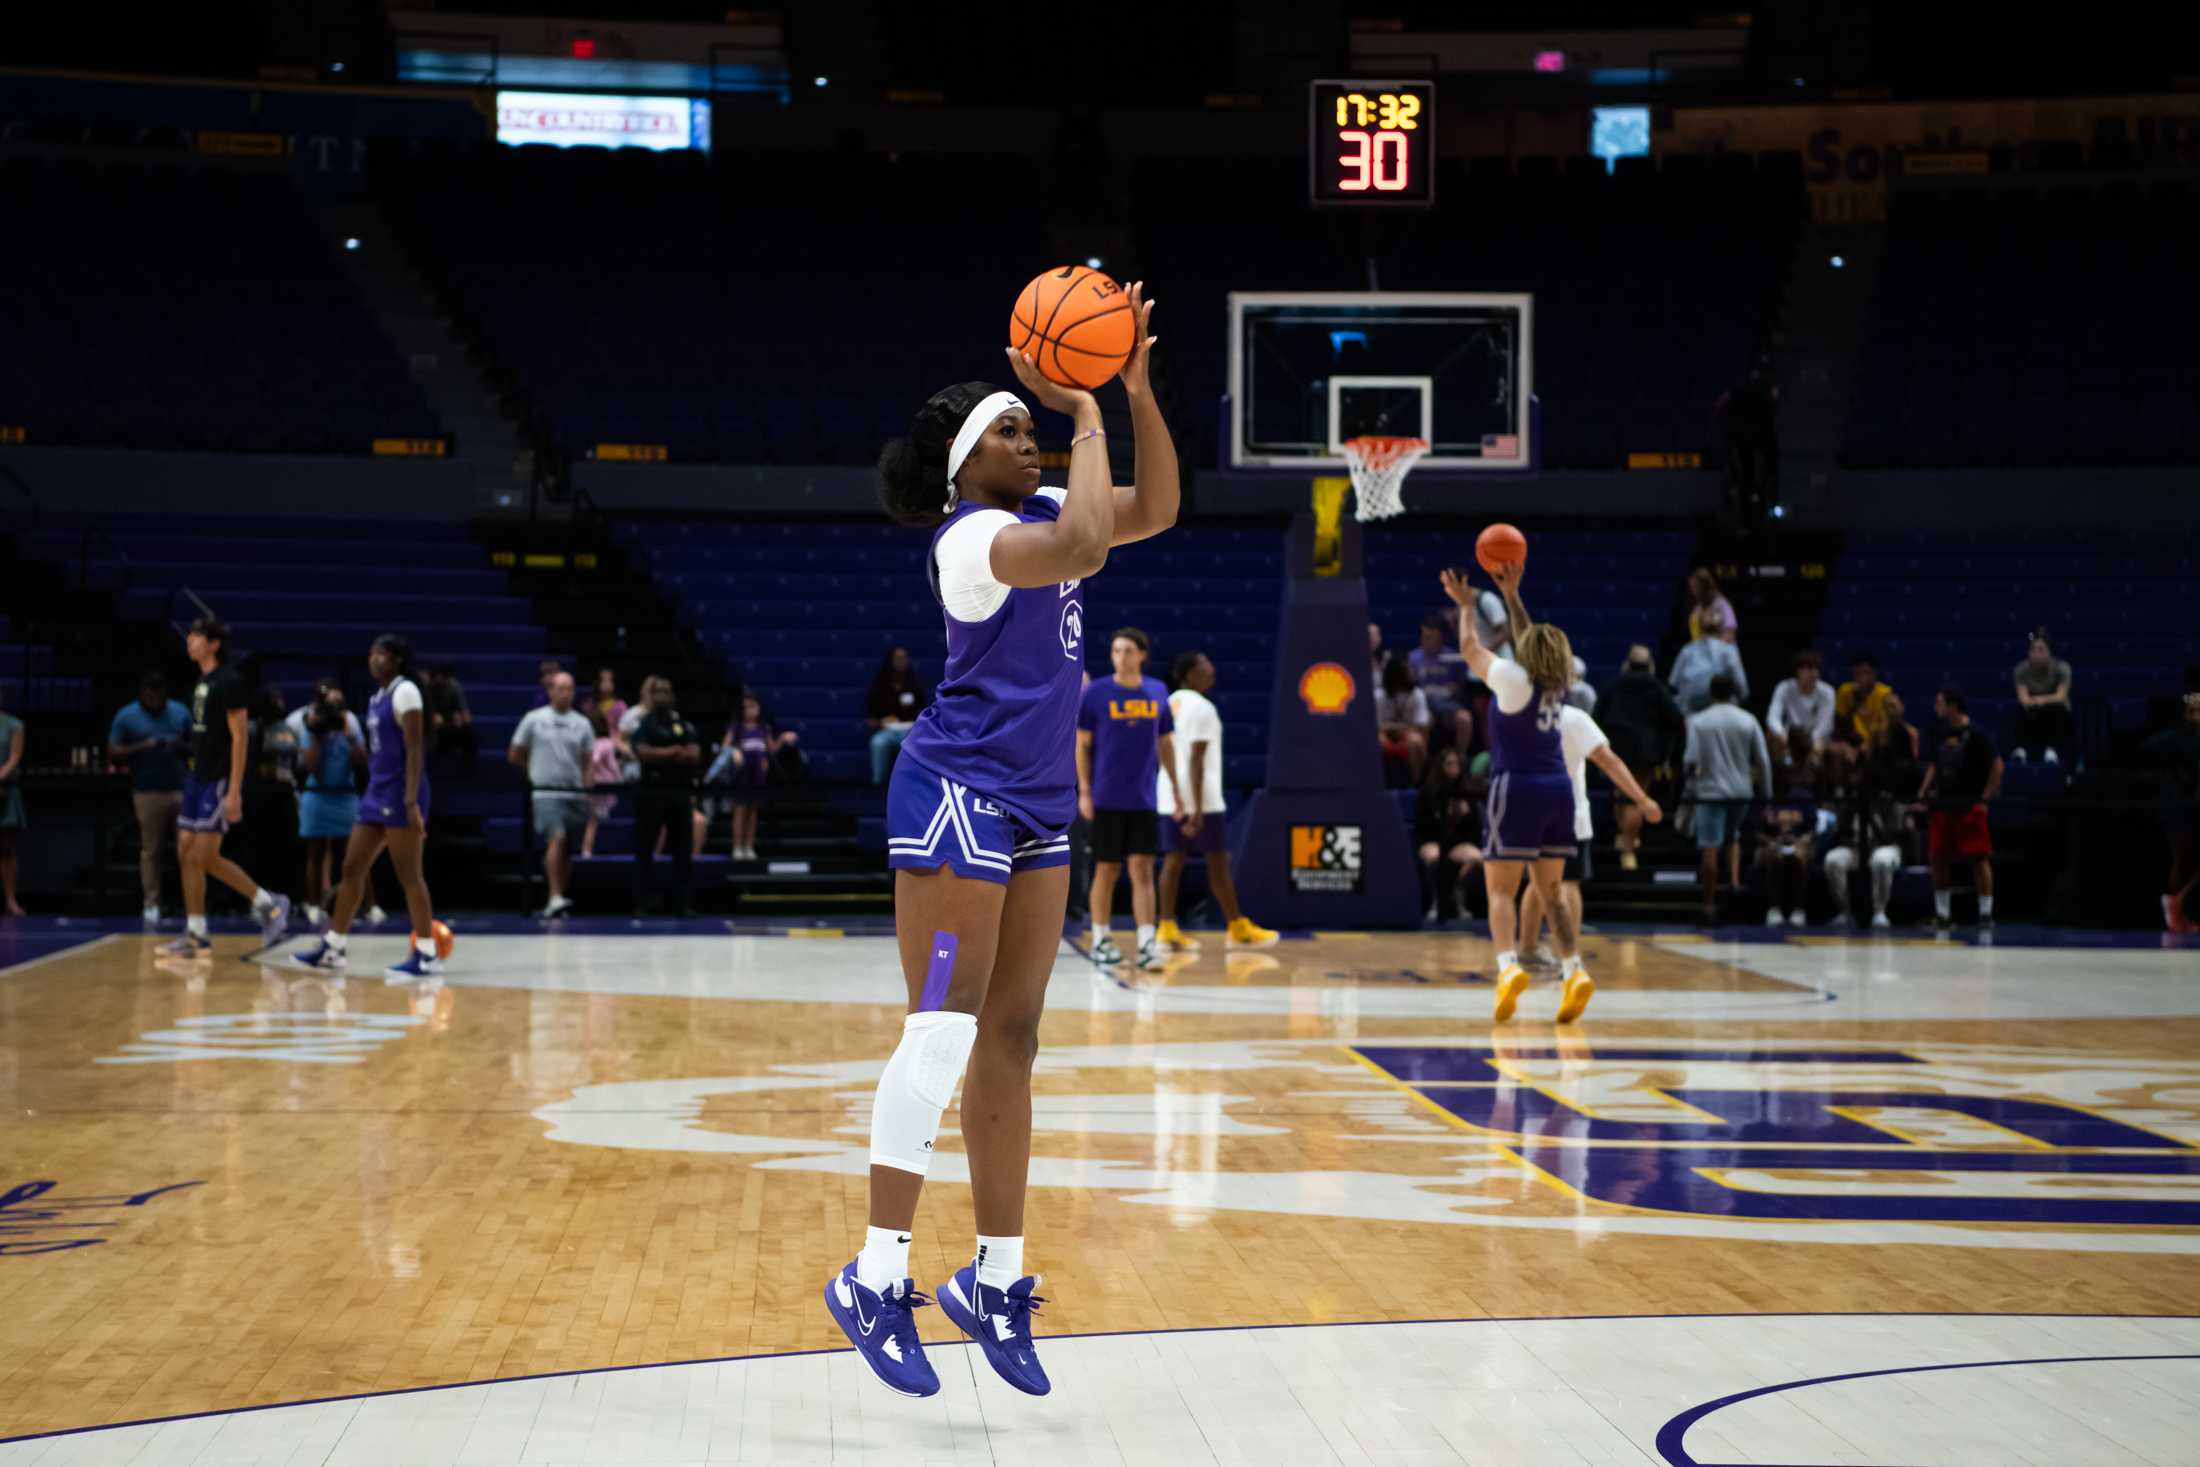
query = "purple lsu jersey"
x=1530 y=814
x=385 y=800
x=1003 y=721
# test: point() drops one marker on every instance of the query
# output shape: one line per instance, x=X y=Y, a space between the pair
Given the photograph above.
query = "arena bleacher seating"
x=162 y=305
x=2031 y=326
x=1942 y=608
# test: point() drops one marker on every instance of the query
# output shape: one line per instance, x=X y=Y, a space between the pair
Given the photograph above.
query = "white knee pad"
x=918 y=1084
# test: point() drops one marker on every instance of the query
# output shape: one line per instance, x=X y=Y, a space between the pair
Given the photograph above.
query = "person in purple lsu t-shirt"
x=977 y=818
x=1123 y=729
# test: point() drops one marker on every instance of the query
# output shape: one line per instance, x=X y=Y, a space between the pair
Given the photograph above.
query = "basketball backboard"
x=1309 y=370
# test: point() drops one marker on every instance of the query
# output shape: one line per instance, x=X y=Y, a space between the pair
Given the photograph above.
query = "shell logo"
x=1327 y=688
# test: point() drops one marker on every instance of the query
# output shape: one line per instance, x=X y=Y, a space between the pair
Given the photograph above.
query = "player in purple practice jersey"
x=1531 y=804
x=393 y=814
x=978 y=813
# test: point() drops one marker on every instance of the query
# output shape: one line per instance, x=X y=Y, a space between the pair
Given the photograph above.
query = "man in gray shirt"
x=1704 y=659
x=553 y=744
x=1727 y=759
x=2044 y=719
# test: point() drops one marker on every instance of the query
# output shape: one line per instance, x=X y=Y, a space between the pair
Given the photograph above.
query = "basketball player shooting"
x=1531 y=804
x=978 y=816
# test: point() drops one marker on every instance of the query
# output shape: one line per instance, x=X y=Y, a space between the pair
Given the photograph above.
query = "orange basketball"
x=1498 y=545
x=1076 y=323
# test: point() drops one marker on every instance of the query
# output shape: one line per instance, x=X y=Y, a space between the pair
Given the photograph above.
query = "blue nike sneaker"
x=275 y=922
x=1000 y=1321
x=416 y=966
x=321 y=956
x=883 y=1328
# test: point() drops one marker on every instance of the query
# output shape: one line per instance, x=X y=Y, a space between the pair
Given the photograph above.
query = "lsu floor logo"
x=1772 y=1141
x=1325 y=858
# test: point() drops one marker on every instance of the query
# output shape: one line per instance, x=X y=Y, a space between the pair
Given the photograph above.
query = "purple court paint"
x=936 y=977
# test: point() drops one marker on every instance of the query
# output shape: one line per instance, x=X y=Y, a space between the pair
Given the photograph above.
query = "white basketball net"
x=1379 y=468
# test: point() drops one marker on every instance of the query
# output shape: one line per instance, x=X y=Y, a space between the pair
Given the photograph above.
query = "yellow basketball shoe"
x=1580 y=988
x=1246 y=933
x=1171 y=939
x=1510 y=985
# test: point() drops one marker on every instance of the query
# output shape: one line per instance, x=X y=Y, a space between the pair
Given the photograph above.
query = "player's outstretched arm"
x=1147 y=507
x=1507 y=575
x=1075 y=544
x=1461 y=592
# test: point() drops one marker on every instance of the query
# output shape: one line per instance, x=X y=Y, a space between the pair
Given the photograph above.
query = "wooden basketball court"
x=232 y=1186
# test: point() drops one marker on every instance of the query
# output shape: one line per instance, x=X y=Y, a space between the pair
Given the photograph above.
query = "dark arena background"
x=1834 y=360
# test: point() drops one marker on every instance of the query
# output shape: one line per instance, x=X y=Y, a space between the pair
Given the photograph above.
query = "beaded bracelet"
x=1088 y=433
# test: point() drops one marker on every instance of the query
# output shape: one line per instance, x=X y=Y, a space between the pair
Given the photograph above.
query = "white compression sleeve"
x=919 y=1082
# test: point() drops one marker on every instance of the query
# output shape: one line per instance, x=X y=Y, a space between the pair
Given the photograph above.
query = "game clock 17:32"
x=1373 y=142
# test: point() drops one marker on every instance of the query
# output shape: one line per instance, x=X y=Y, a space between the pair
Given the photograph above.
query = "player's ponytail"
x=912 y=470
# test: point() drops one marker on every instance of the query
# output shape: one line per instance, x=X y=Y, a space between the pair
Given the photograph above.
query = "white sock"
x=335 y=941
x=1099 y=934
x=425 y=946
x=1567 y=967
x=1145 y=935
x=884 y=1260
x=196 y=926
x=262 y=899
x=1986 y=906
x=1000 y=1261
x=1940 y=904
x=1507 y=959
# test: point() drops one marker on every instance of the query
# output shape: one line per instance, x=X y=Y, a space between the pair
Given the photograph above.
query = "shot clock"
x=1372 y=142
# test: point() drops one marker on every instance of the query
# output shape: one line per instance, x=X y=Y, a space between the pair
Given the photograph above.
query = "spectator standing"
x=302 y=715
x=1378 y=656
x=12 y=822
x=1581 y=695
x=549 y=669
x=603 y=770
x=1726 y=756
x=1446 y=831
x=1402 y=718
x=606 y=699
x=671 y=755
x=451 y=722
x=1123 y=747
x=623 y=727
x=331 y=754
x=147 y=735
x=746 y=757
x=1440 y=672
x=1647 y=730
x=1197 y=740
x=2044 y=719
x=1708 y=656
x=554 y=745
x=1706 y=601
x=2176 y=752
x=1964 y=774
x=895 y=700
x=1799 y=720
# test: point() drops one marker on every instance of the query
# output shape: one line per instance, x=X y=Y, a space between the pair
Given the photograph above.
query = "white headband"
x=973 y=428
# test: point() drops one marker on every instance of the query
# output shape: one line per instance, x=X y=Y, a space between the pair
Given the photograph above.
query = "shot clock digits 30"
x=1372 y=142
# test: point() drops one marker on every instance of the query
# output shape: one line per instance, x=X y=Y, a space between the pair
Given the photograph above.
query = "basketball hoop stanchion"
x=1379 y=467
x=1323 y=843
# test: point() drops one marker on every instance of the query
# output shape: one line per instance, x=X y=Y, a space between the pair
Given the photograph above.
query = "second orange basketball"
x=1500 y=544
x=1076 y=324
